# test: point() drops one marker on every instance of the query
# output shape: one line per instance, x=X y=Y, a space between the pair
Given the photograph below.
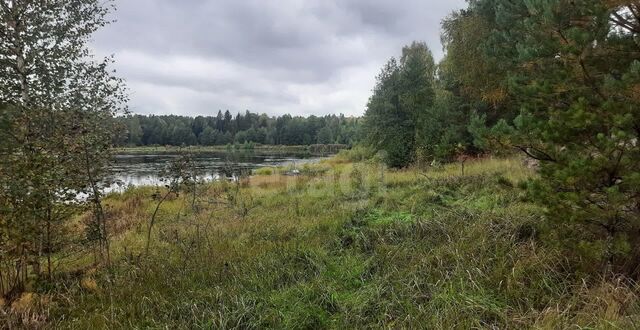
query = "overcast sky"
x=303 y=57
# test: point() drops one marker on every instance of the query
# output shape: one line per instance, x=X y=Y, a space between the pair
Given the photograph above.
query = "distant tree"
x=199 y=124
x=134 y=131
x=181 y=134
x=287 y=130
x=325 y=136
x=208 y=137
x=220 y=121
x=224 y=138
x=241 y=137
x=263 y=121
x=226 y=123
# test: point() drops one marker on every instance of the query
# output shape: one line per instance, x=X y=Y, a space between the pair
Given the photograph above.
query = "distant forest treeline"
x=226 y=129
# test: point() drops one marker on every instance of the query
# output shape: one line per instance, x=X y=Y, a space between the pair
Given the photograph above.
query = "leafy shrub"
x=356 y=154
x=266 y=171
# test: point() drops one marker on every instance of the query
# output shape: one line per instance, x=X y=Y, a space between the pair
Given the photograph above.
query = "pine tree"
x=576 y=84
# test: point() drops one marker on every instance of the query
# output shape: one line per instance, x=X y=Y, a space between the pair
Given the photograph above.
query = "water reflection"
x=142 y=170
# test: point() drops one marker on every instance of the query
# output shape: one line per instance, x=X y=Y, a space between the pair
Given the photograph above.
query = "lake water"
x=142 y=170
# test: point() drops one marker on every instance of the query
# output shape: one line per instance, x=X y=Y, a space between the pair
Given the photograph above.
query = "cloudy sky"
x=304 y=57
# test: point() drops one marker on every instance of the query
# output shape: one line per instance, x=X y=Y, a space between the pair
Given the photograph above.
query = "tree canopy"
x=567 y=74
x=248 y=127
x=401 y=97
x=57 y=127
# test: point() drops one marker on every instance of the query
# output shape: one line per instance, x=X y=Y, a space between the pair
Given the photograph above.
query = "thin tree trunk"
x=107 y=245
x=153 y=220
x=98 y=210
x=49 y=249
x=18 y=50
x=195 y=185
x=2 y=278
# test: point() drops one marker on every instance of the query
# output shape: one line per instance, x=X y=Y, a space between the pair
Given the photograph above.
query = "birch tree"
x=57 y=103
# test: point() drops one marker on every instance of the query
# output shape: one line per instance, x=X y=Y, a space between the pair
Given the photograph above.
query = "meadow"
x=347 y=243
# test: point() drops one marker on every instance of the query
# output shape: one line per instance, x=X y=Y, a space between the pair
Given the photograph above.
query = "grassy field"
x=344 y=245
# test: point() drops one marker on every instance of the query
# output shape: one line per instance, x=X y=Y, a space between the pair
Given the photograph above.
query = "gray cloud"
x=290 y=56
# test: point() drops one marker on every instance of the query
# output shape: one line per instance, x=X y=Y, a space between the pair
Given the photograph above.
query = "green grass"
x=344 y=246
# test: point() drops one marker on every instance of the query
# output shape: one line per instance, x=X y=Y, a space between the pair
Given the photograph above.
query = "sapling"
x=176 y=175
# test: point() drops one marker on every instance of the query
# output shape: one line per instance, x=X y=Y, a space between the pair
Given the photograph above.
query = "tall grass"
x=343 y=245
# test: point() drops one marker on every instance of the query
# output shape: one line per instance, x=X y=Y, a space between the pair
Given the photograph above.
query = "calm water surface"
x=142 y=170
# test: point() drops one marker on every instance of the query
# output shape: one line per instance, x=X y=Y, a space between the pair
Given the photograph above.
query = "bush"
x=356 y=154
x=266 y=171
